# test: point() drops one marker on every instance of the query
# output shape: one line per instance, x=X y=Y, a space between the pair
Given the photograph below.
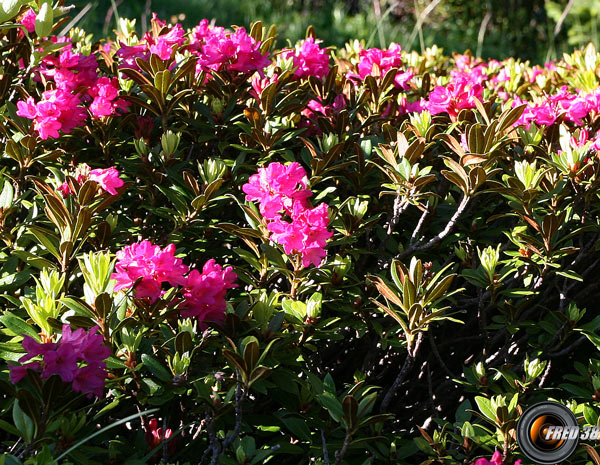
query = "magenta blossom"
x=107 y=178
x=28 y=20
x=309 y=58
x=153 y=265
x=58 y=110
x=106 y=98
x=204 y=293
x=282 y=193
x=377 y=62
x=495 y=460
x=458 y=95
x=276 y=188
x=219 y=49
x=306 y=234
x=78 y=357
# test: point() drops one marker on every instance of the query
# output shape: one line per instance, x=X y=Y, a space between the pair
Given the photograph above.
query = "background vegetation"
x=527 y=29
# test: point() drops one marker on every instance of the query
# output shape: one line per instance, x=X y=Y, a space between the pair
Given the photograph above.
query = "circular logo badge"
x=547 y=433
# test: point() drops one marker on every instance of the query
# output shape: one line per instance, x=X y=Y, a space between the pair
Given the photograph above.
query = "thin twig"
x=545 y=374
x=418 y=247
x=164 y=440
x=424 y=215
x=239 y=396
x=325 y=452
x=339 y=455
x=568 y=349
x=408 y=363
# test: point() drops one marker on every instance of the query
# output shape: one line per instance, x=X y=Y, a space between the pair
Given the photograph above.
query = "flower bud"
x=169 y=143
x=211 y=170
x=141 y=148
x=217 y=105
x=329 y=141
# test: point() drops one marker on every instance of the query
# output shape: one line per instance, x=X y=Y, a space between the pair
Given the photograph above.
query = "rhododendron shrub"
x=215 y=250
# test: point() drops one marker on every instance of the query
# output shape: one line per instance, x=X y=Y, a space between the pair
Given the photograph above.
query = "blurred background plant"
x=536 y=30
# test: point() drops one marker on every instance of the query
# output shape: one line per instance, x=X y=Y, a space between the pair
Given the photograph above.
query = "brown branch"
x=408 y=363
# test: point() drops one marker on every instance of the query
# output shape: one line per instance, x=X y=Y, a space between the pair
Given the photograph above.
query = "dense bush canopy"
x=214 y=251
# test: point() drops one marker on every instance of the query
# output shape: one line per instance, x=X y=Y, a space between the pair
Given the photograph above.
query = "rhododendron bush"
x=219 y=247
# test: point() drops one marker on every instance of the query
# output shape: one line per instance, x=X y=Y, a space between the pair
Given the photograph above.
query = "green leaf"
x=6 y=197
x=332 y=405
x=23 y=422
x=485 y=406
x=156 y=368
x=298 y=427
x=18 y=326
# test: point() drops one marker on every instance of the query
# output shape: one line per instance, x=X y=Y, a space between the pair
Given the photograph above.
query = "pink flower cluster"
x=153 y=265
x=58 y=110
x=76 y=83
x=28 y=20
x=377 y=62
x=147 y=267
x=107 y=178
x=282 y=190
x=161 y=45
x=574 y=107
x=106 y=98
x=459 y=94
x=220 y=49
x=215 y=47
x=495 y=460
x=204 y=293
x=66 y=359
x=309 y=58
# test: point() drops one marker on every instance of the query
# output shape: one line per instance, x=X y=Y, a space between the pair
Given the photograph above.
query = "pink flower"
x=307 y=233
x=458 y=95
x=70 y=71
x=260 y=83
x=376 y=62
x=90 y=379
x=276 y=188
x=28 y=20
x=418 y=106
x=129 y=53
x=66 y=358
x=108 y=179
x=58 y=110
x=496 y=460
x=164 y=45
x=282 y=189
x=575 y=109
x=62 y=361
x=204 y=293
x=309 y=58
x=106 y=98
x=18 y=372
x=218 y=49
x=150 y=263
x=154 y=436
